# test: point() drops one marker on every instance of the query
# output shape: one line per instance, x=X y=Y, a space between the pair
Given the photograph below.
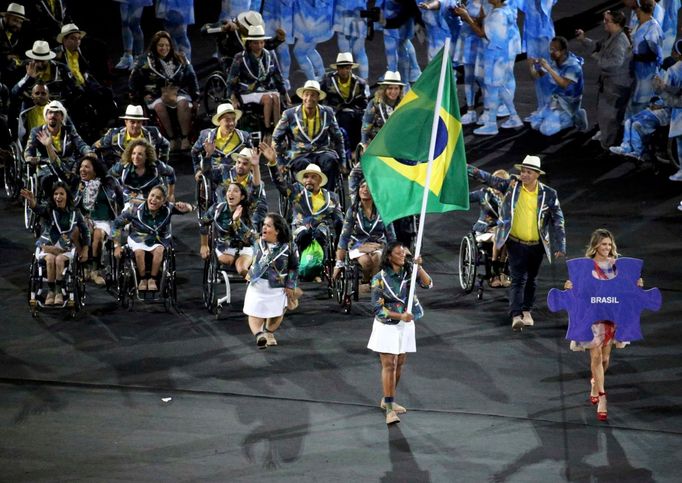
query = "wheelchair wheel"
x=340 y=286
x=34 y=286
x=127 y=283
x=13 y=173
x=75 y=286
x=341 y=192
x=467 y=263
x=29 y=215
x=203 y=195
x=110 y=270
x=328 y=268
x=169 y=289
x=210 y=293
x=215 y=92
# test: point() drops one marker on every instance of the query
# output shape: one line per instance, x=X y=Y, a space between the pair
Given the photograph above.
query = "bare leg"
x=273 y=323
x=184 y=117
x=276 y=109
x=60 y=262
x=374 y=268
x=266 y=100
x=227 y=260
x=97 y=240
x=256 y=324
x=140 y=262
x=365 y=262
x=399 y=368
x=389 y=363
x=164 y=119
x=50 y=266
x=156 y=260
x=243 y=264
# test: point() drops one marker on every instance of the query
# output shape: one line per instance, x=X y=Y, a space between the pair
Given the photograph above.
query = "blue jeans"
x=524 y=264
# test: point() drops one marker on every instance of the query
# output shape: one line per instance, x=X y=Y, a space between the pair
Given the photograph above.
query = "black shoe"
x=261 y=340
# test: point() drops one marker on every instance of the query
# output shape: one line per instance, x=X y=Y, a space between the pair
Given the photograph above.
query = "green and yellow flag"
x=395 y=162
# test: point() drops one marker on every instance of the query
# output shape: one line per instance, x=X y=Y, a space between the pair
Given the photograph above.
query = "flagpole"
x=429 y=168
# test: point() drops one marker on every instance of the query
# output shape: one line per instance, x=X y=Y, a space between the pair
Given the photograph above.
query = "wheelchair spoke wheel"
x=12 y=174
x=215 y=91
x=340 y=286
x=29 y=216
x=467 y=263
x=203 y=195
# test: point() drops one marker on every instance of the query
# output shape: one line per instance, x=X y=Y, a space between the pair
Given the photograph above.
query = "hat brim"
x=60 y=37
x=31 y=55
x=303 y=172
x=216 y=117
x=264 y=37
x=241 y=18
x=391 y=83
x=22 y=17
x=301 y=90
x=134 y=118
x=519 y=166
x=352 y=65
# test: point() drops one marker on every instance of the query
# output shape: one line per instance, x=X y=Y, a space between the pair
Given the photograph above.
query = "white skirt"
x=392 y=338
x=134 y=246
x=105 y=226
x=355 y=253
x=264 y=302
x=255 y=97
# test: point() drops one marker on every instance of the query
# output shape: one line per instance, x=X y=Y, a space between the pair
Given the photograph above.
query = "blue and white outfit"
x=400 y=55
x=313 y=22
x=495 y=65
x=538 y=31
x=658 y=15
x=673 y=78
x=279 y=14
x=636 y=129
x=669 y=23
x=647 y=56
x=563 y=110
x=351 y=31
x=176 y=16
x=131 y=31
x=466 y=50
x=229 y=9
x=437 y=30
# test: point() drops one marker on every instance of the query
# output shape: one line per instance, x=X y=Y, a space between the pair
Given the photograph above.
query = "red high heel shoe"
x=602 y=415
x=593 y=399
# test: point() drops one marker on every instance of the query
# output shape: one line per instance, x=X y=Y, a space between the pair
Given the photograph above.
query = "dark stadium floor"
x=150 y=396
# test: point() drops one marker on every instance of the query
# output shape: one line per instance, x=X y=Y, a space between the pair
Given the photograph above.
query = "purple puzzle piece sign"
x=619 y=300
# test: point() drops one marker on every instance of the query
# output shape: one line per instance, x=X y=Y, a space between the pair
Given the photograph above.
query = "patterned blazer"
x=59 y=226
x=550 y=217
x=219 y=157
x=148 y=77
x=222 y=176
x=114 y=140
x=302 y=206
x=277 y=264
x=226 y=231
x=489 y=213
x=290 y=137
x=376 y=115
x=144 y=226
x=136 y=186
x=359 y=92
x=249 y=74
x=389 y=294
x=359 y=229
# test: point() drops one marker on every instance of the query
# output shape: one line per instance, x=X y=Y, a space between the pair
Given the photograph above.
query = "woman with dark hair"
x=381 y=106
x=139 y=171
x=233 y=237
x=272 y=280
x=393 y=334
x=99 y=199
x=602 y=249
x=150 y=232
x=364 y=234
x=64 y=233
x=165 y=80
x=613 y=55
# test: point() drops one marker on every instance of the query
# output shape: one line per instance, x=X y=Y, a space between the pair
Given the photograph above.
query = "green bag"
x=312 y=261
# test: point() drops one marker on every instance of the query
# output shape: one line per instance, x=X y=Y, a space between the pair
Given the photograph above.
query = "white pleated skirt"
x=392 y=339
x=263 y=301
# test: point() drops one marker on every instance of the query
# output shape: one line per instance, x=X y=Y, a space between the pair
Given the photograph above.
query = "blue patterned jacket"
x=550 y=217
x=135 y=186
x=248 y=74
x=359 y=229
x=489 y=213
x=59 y=225
x=144 y=227
x=219 y=157
x=279 y=266
x=114 y=140
x=226 y=232
x=258 y=202
x=290 y=137
x=389 y=294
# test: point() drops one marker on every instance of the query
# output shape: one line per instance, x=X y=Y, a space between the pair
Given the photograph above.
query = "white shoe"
x=517 y=323
x=677 y=176
x=513 y=122
x=528 y=319
x=469 y=118
x=532 y=116
x=125 y=63
x=596 y=137
x=620 y=150
x=483 y=119
x=488 y=129
x=679 y=207
x=502 y=111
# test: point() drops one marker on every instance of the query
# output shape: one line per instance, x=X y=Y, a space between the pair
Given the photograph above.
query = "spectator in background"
x=13 y=42
x=176 y=16
x=131 y=31
x=647 y=55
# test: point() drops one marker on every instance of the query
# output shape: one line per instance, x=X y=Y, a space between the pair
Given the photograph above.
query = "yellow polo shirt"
x=312 y=124
x=228 y=143
x=318 y=201
x=344 y=88
x=127 y=138
x=74 y=67
x=34 y=117
x=57 y=141
x=525 y=222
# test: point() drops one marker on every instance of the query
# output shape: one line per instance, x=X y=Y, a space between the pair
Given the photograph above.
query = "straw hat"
x=225 y=109
x=344 y=59
x=40 y=51
x=16 y=10
x=311 y=85
x=244 y=153
x=134 y=113
x=250 y=18
x=54 y=106
x=312 y=168
x=256 y=32
x=530 y=162
x=391 y=79
x=68 y=29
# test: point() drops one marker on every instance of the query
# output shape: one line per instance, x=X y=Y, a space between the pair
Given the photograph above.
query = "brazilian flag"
x=395 y=162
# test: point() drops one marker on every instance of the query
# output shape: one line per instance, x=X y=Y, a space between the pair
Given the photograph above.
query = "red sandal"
x=593 y=399
x=602 y=415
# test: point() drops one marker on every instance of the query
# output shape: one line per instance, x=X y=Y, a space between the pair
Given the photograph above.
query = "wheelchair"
x=347 y=285
x=203 y=195
x=215 y=91
x=127 y=282
x=475 y=262
x=73 y=291
x=14 y=171
x=215 y=275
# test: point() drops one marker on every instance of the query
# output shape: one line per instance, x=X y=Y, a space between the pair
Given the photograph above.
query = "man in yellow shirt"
x=531 y=225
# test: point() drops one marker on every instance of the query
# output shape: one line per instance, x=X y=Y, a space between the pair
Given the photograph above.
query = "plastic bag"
x=312 y=261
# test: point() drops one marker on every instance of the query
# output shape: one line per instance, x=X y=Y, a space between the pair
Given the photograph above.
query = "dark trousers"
x=524 y=264
x=328 y=161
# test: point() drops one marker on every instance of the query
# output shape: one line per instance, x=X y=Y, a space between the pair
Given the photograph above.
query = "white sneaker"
x=125 y=63
x=597 y=136
x=620 y=150
x=528 y=319
x=488 y=129
x=677 y=176
x=502 y=111
x=513 y=122
x=517 y=323
x=469 y=118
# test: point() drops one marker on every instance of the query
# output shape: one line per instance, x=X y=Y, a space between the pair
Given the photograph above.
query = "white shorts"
x=105 y=226
x=355 y=253
x=142 y=246
x=246 y=251
x=392 y=338
x=255 y=97
x=40 y=254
